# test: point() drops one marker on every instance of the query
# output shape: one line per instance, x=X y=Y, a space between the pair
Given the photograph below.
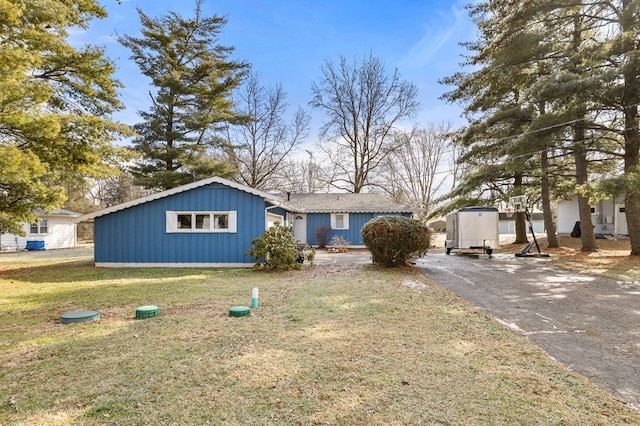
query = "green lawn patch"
x=327 y=345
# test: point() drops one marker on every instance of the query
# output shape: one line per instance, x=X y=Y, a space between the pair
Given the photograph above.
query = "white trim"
x=172 y=222
x=232 y=225
x=172 y=265
x=38 y=225
x=345 y=221
x=215 y=179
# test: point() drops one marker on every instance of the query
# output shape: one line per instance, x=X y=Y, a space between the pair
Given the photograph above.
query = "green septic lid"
x=148 y=311
x=239 y=311
x=79 y=316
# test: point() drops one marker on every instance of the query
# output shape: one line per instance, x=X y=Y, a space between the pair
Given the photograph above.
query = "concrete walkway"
x=353 y=257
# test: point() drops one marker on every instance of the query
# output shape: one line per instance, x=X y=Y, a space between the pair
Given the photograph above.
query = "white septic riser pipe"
x=254 y=298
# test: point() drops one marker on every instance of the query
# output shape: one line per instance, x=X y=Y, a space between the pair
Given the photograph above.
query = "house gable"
x=185 y=188
x=138 y=234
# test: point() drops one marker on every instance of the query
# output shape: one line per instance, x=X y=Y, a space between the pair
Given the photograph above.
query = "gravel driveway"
x=591 y=324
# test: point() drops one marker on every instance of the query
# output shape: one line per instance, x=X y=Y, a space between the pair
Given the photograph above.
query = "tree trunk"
x=586 y=226
x=521 y=228
x=632 y=195
x=549 y=225
x=631 y=92
x=547 y=214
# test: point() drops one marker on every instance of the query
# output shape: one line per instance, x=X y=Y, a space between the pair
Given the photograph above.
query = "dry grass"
x=612 y=257
x=328 y=345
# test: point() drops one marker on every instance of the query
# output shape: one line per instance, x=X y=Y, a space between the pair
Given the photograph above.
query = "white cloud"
x=447 y=31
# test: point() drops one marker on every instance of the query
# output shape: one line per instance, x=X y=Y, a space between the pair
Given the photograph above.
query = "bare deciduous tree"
x=259 y=147
x=362 y=103
x=413 y=169
x=303 y=176
x=457 y=168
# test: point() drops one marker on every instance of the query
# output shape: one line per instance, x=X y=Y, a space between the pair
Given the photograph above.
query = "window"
x=340 y=221
x=184 y=221
x=201 y=222
x=221 y=221
x=40 y=227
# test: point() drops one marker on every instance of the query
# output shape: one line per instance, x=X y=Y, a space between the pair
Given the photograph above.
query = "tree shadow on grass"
x=81 y=271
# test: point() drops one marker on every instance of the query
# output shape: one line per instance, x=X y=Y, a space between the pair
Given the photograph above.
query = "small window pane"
x=44 y=226
x=203 y=221
x=184 y=221
x=33 y=229
x=221 y=221
x=339 y=221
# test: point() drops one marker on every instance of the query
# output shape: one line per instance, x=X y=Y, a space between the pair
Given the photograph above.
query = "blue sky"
x=287 y=42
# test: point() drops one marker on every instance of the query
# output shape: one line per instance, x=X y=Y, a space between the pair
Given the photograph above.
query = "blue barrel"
x=35 y=245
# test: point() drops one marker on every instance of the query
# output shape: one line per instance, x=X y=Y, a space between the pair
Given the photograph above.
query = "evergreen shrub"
x=278 y=250
x=393 y=240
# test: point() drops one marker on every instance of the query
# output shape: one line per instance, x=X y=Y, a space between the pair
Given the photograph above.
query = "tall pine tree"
x=193 y=78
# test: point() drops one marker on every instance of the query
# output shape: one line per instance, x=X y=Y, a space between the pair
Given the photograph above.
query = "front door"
x=300 y=227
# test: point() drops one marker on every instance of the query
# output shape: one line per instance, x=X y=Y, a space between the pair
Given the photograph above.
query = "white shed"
x=607 y=216
x=55 y=230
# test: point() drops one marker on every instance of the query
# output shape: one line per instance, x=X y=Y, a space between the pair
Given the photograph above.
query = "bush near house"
x=322 y=235
x=392 y=240
x=277 y=249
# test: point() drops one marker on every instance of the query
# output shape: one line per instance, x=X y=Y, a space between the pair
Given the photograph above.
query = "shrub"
x=339 y=241
x=309 y=254
x=322 y=234
x=392 y=240
x=277 y=249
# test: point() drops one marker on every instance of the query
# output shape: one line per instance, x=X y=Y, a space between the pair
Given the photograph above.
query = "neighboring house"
x=210 y=223
x=345 y=213
x=55 y=230
x=607 y=216
x=507 y=223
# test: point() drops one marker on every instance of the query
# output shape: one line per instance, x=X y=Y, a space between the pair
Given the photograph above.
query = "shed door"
x=300 y=227
x=620 y=225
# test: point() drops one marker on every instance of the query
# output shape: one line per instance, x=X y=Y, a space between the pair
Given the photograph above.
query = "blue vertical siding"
x=138 y=233
x=353 y=234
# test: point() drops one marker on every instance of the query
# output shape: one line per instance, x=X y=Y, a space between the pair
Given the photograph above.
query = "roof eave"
x=215 y=179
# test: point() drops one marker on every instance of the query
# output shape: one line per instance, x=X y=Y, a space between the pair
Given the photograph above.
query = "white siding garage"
x=56 y=230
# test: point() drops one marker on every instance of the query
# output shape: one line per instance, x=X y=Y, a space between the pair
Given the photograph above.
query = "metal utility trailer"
x=473 y=228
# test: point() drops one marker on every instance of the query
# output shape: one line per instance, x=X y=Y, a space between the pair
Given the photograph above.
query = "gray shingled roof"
x=56 y=212
x=347 y=203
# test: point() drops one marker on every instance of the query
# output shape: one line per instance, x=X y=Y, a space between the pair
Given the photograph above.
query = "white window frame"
x=172 y=222
x=345 y=221
x=40 y=227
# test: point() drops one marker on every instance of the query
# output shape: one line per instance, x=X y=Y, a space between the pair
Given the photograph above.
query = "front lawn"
x=327 y=345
